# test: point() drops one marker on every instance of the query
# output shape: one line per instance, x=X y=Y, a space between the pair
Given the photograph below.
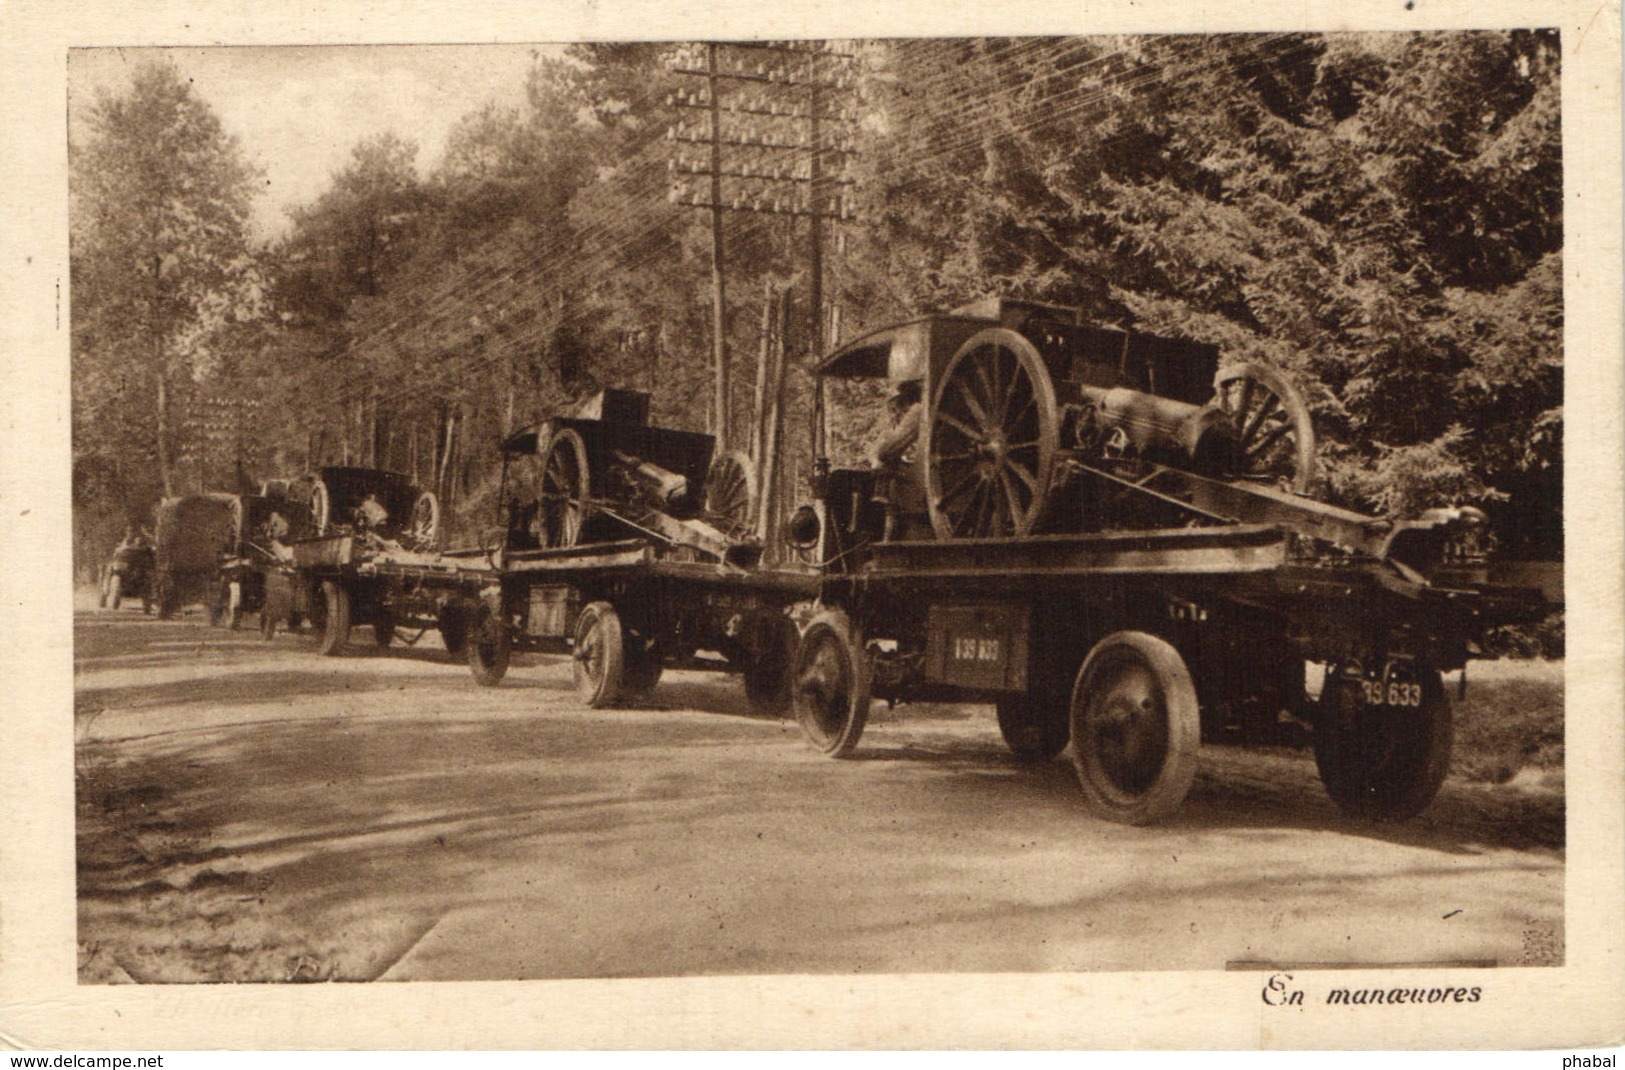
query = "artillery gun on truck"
x=1108 y=535
x=631 y=547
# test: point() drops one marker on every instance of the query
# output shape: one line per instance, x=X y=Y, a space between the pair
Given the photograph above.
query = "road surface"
x=250 y=811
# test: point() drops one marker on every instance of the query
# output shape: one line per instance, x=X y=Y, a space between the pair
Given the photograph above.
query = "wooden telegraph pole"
x=778 y=118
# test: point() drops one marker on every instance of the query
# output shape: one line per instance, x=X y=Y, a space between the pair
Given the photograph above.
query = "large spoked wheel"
x=565 y=499
x=1135 y=728
x=830 y=684
x=730 y=492
x=1277 y=439
x=990 y=439
x=335 y=625
x=423 y=530
x=600 y=655
x=1034 y=729
x=488 y=646
x=320 y=507
x=768 y=681
x=1383 y=760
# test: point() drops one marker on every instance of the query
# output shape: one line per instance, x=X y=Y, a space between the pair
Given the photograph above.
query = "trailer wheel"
x=831 y=684
x=768 y=675
x=1034 y=730
x=335 y=625
x=1383 y=762
x=989 y=443
x=600 y=655
x=453 y=624
x=1135 y=728
x=115 y=590
x=489 y=646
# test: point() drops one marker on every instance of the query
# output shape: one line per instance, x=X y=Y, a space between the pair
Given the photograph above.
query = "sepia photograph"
x=787 y=511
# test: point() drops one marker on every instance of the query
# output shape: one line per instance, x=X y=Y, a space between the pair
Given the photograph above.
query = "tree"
x=161 y=269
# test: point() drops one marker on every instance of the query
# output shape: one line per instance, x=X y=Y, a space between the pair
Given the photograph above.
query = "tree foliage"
x=1379 y=215
x=163 y=283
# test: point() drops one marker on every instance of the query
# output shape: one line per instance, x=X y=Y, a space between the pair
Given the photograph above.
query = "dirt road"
x=249 y=811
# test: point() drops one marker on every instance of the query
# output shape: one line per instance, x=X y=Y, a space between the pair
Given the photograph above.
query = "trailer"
x=1110 y=537
x=627 y=547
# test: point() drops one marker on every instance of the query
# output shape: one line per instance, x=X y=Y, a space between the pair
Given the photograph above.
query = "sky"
x=298 y=110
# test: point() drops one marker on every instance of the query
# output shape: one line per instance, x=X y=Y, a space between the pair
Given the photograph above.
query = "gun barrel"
x=1203 y=434
x=669 y=487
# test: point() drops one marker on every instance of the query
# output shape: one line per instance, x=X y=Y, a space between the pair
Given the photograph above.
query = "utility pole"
x=719 y=300
x=779 y=131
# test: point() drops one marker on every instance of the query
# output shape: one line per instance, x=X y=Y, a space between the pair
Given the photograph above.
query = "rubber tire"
x=453 y=625
x=832 y=714
x=1180 y=720
x=768 y=679
x=115 y=590
x=489 y=647
x=1403 y=781
x=1035 y=730
x=334 y=637
x=601 y=625
x=642 y=669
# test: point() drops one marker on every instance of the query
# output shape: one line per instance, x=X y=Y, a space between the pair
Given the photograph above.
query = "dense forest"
x=1380 y=215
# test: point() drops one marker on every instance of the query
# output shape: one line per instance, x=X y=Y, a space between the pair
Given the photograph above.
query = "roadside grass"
x=1511 y=721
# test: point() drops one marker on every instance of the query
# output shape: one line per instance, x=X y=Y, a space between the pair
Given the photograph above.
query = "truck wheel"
x=488 y=646
x=1383 y=762
x=767 y=675
x=642 y=670
x=831 y=684
x=453 y=624
x=335 y=633
x=168 y=604
x=115 y=590
x=1035 y=729
x=600 y=655
x=1136 y=728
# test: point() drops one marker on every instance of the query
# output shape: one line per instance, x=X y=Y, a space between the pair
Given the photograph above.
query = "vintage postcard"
x=1082 y=526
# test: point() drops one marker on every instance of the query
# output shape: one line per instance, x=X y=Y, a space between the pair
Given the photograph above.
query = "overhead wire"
x=987 y=113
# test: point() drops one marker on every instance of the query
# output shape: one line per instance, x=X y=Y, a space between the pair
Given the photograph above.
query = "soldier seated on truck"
x=891 y=456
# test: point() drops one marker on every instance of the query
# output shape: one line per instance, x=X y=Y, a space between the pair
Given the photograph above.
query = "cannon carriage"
x=631 y=547
x=603 y=473
x=1109 y=536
